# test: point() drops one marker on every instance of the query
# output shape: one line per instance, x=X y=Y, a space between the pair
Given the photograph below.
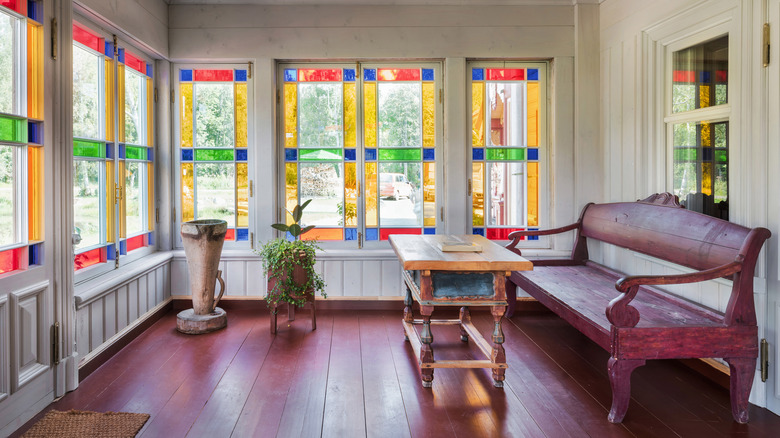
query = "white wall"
x=145 y=21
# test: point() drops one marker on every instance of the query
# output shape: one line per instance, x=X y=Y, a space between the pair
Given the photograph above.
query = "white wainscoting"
x=107 y=308
x=359 y=273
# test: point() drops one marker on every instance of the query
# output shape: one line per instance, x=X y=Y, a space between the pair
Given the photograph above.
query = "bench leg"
x=511 y=297
x=465 y=316
x=408 y=315
x=498 y=355
x=426 y=352
x=619 y=371
x=742 y=371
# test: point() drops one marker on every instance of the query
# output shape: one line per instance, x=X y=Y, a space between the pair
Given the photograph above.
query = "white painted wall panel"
x=109 y=316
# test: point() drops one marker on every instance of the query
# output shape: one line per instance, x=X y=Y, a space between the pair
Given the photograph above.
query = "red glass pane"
x=398 y=74
x=13 y=260
x=89 y=258
x=505 y=74
x=136 y=242
x=319 y=75
x=135 y=63
x=385 y=232
x=684 y=76
x=500 y=233
x=214 y=75
x=19 y=6
x=87 y=38
x=231 y=234
x=722 y=76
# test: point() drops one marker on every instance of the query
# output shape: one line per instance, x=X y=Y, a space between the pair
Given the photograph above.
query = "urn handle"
x=221 y=289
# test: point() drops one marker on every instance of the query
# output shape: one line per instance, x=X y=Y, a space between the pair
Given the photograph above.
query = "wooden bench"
x=634 y=321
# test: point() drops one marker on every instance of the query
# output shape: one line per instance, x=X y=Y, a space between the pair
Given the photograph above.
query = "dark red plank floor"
x=355 y=376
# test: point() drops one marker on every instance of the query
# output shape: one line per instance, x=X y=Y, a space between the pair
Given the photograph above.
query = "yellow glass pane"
x=533 y=114
x=290 y=115
x=429 y=194
x=186 y=116
x=34 y=71
x=706 y=137
x=350 y=194
x=706 y=178
x=109 y=95
x=369 y=115
x=150 y=195
x=533 y=194
x=242 y=195
x=291 y=189
x=35 y=193
x=110 y=196
x=371 y=195
x=478 y=114
x=241 y=116
x=187 y=192
x=122 y=204
x=350 y=115
x=149 y=112
x=478 y=194
x=428 y=113
x=704 y=96
x=121 y=102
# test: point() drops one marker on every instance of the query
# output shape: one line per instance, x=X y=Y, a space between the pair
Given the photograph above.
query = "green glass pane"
x=721 y=156
x=400 y=154
x=685 y=154
x=13 y=130
x=505 y=154
x=320 y=154
x=93 y=149
x=213 y=154
x=135 y=153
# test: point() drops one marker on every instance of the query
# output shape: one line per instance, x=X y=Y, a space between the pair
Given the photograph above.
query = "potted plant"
x=289 y=265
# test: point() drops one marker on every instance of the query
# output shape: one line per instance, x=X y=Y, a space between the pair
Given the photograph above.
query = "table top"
x=423 y=252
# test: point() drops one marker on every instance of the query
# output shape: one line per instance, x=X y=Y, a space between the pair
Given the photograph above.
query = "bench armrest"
x=621 y=314
x=516 y=235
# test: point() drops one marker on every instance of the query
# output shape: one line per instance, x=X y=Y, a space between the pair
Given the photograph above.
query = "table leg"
x=498 y=355
x=426 y=351
x=465 y=316
x=408 y=315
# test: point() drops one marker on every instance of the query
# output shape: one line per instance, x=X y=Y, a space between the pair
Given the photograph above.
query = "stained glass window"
x=112 y=149
x=213 y=147
x=508 y=144
x=368 y=186
x=700 y=144
x=21 y=135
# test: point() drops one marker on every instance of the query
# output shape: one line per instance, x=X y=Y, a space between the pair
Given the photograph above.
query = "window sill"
x=95 y=288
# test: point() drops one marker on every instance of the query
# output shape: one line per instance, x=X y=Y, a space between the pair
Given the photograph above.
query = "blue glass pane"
x=149 y=154
x=185 y=75
x=242 y=234
x=186 y=154
x=290 y=154
x=350 y=154
x=350 y=234
x=478 y=154
x=290 y=75
x=240 y=76
x=241 y=154
x=429 y=154
x=369 y=74
x=349 y=76
x=706 y=154
x=111 y=252
x=372 y=234
x=533 y=154
x=110 y=151
x=123 y=247
x=427 y=74
x=704 y=77
x=477 y=74
x=149 y=70
x=370 y=154
x=35 y=253
x=480 y=231
x=150 y=237
x=533 y=237
x=109 y=50
x=429 y=230
x=121 y=152
x=532 y=74
x=121 y=56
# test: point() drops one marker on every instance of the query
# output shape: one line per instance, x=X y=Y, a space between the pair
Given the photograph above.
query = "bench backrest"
x=661 y=228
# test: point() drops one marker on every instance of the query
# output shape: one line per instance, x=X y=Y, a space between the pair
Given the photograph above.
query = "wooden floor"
x=355 y=376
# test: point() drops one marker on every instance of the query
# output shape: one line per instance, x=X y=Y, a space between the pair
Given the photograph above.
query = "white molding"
x=22 y=376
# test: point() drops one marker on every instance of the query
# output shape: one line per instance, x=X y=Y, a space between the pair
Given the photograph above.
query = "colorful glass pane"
x=319 y=75
x=532 y=202
x=350 y=115
x=291 y=188
x=477 y=114
x=506 y=154
x=135 y=153
x=135 y=63
x=384 y=233
x=242 y=195
x=34 y=70
x=350 y=195
x=320 y=154
x=214 y=75
x=120 y=80
x=13 y=130
x=500 y=233
x=136 y=242
x=429 y=194
x=428 y=113
x=371 y=195
x=108 y=95
x=324 y=234
x=84 y=36
x=478 y=194
x=214 y=154
x=89 y=258
x=290 y=115
x=110 y=195
x=230 y=235
x=13 y=260
x=534 y=118
x=187 y=192
x=90 y=149
x=150 y=197
x=398 y=74
x=241 y=115
x=400 y=154
x=185 y=113
x=149 y=112
x=505 y=74
x=369 y=114
x=35 y=193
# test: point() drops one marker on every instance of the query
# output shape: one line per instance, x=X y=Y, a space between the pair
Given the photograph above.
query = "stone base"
x=190 y=323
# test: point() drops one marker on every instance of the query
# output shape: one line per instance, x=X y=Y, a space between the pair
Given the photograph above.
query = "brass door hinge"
x=765 y=45
x=173 y=97
x=157 y=215
x=249 y=71
x=54 y=47
x=441 y=95
x=469 y=188
x=55 y=343
x=116 y=258
x=360 y=240
x=252 y=239
x=116 y=47
x=441 y=214
x=764 y=360
x=251 y=189
x=155 y=94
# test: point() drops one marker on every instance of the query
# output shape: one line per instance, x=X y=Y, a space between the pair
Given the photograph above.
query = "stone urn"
x=202 y=240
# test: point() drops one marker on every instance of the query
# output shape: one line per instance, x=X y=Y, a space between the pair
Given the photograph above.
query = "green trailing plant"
x=280 y=258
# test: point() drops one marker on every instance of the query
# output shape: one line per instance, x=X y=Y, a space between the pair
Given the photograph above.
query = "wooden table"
x=437 y=278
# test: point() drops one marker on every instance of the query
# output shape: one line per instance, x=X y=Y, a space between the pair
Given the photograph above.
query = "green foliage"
x=86 y=97
x=400 y=115
x=134 y=92
x=281 y=257
x=214 y=112
x=320 y=115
